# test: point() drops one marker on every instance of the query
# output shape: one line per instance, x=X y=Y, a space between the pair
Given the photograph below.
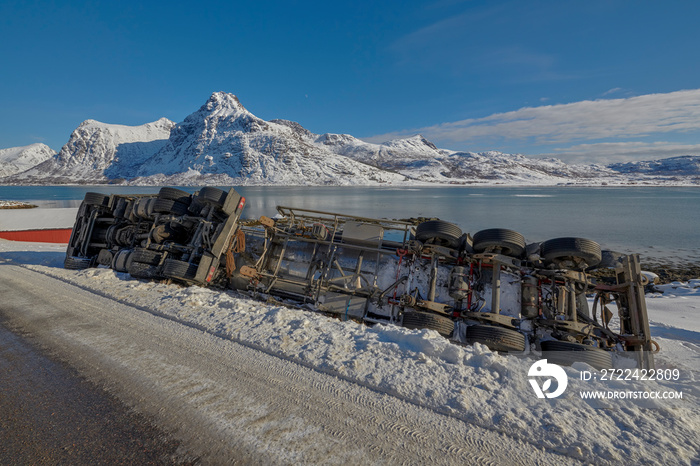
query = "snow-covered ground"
x=473 y=384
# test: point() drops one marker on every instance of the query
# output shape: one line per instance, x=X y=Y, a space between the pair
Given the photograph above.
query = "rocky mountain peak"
x=417 y=146
x=222 y=112
x=224 y=103
x=419 y=140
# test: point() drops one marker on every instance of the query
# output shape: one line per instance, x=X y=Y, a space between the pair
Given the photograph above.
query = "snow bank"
x=470 y=383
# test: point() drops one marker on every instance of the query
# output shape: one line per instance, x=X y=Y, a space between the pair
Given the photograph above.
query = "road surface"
x=50 y=415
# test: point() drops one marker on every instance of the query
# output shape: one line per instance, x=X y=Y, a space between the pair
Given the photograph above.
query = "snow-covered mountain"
x=223 y=143
x=98 y=152
x=686 y=165
x=18 y=159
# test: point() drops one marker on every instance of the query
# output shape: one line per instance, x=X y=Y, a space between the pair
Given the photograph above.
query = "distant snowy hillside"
x=19 y=159
x=414 y=157
x=420 y=159
x=97 y=152
x=674 y=166
x=223 y=143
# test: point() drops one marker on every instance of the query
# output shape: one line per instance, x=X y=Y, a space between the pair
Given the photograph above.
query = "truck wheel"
x=141 y=270
x=168 y=206
x=559 y=250
x=418 y=320
x=439 y=232
x=76 y=263
x=213 y=196
x=146 y=256
x=179 y=270
x=496 y=338
x=207 y=196
x=96 y=199
x=174 y=194
x=499 y=240
x=566 y=353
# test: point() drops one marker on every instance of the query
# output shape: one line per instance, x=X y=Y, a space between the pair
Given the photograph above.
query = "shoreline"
x=659 y=182
x=669 y=272
x=16 y=205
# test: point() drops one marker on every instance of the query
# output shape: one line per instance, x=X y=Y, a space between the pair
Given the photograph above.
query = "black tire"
x=417 y=320
x=168 y=206
x=174 y=194
x=496 y=338
x=96 y=199
x=76 y=263
x=213 y=196
x=558 y=250
x=121 y=260
x=141 y=270
x=439 y=232
x=179 y=270
x=506 y=242
x=146 y=256
x=566 y=353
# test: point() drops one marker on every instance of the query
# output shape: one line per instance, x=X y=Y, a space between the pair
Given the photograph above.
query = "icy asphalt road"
x=230 y=403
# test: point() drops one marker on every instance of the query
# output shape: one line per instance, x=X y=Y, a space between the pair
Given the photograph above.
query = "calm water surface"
x=628 y=218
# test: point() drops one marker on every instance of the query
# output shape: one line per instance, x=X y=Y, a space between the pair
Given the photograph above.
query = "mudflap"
x=207 y=269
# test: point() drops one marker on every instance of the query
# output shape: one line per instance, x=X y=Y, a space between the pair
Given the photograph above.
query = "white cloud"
x=586 y=120
x=614 y=90
x=612 y=152
x=608 y=123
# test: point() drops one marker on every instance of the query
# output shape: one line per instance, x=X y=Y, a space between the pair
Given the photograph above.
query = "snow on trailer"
x=492 y=288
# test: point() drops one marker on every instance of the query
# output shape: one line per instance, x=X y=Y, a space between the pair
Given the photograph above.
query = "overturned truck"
x=491 y=288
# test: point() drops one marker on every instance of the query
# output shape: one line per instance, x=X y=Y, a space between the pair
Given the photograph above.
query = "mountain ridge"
x=224 y=143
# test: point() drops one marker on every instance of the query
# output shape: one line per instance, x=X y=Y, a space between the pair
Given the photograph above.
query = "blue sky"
x=580 y=80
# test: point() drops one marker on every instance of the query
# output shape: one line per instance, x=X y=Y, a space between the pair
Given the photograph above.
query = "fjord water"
x=649 y=220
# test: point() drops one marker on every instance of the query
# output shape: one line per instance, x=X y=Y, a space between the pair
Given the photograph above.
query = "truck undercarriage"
x=491 y=288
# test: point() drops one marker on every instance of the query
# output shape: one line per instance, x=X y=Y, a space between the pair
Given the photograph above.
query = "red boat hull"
x=53 y=235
